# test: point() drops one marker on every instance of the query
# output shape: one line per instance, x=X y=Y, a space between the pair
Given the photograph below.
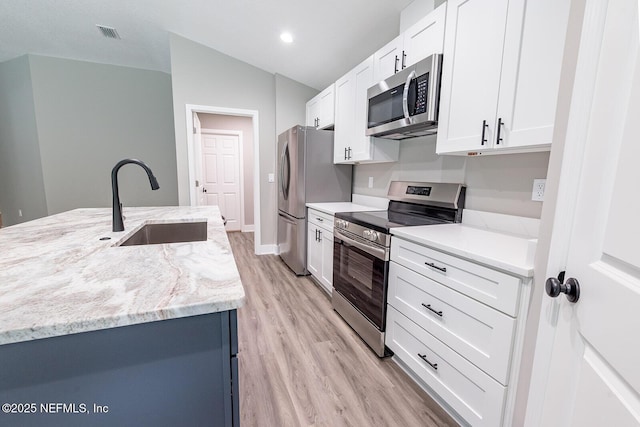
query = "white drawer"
x=320 y=219
x=492 y=287
x=474 y=395
x=479 y=333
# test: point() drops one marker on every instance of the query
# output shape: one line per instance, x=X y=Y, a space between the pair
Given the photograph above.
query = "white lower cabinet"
x=477 y=397
x=457 y=325
x=320 y=247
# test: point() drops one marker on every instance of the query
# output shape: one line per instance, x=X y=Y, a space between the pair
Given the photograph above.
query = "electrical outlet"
x=537 y=194
x=370 y=182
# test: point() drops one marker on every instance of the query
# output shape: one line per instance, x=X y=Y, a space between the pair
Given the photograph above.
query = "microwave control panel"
x=423 y=89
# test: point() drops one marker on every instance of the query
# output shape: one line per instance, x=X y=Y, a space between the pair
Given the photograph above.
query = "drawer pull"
x=428 y=307
x=432 y=265
x=424 y=357
x=319 y=219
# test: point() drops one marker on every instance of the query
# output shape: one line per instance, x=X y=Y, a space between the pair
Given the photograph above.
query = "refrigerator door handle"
x=286 y=218
x=283 y=156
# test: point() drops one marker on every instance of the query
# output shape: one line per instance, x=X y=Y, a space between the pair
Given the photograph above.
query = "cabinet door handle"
x=484 y=128
x=432 y=265
x=424 y=357
x=499 y=138
x=319 y=235
x=349 y=153
x=428 y=307
x=345 y=153
x=395 y=65
x=404 y=56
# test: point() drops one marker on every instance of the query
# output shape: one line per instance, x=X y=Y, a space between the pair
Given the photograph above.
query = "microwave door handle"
x=405 y=94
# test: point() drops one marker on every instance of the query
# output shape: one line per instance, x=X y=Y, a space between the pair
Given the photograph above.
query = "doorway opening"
x=205 y=125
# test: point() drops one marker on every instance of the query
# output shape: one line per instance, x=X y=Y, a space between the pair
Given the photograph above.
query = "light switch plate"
x=537 y=195
x=271 y=177
x=370 y=182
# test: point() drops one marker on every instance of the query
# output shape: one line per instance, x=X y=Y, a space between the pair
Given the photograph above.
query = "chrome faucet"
x=118 y=225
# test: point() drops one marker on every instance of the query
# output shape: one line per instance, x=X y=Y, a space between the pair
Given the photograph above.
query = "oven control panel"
x=370 y=235
x=341 y=223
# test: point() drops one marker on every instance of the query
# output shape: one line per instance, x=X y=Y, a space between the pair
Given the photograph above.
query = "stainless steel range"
x=361 y=249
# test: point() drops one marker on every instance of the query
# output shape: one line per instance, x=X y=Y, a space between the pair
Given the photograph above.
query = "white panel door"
x=363 y=79
x=474 y=40
x=314 y=251
x=221 y=176
x=386 y=61
x=594 y=374
x=326 y=113
x=313 y=110
x=529 y=91
x=345 y=109
x=326 y=276
x=425 y=37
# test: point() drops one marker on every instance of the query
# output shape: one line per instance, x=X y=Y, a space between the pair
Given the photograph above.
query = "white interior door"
x=594 y=368
x=221 y=176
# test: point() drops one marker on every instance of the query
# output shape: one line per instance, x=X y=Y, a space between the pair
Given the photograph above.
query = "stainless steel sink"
x=175 y=232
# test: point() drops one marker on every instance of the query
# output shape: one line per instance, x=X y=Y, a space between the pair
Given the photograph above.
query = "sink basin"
x=175 y=232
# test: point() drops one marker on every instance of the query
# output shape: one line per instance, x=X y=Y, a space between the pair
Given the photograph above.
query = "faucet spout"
x=118 y=224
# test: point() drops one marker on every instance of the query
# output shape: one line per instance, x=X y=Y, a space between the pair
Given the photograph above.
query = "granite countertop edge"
x=58 y=278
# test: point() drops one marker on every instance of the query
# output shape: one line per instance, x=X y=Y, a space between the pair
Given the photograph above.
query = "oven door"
x=360 y=275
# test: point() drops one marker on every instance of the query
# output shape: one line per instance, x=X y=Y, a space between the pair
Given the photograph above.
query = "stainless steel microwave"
x=406 y=104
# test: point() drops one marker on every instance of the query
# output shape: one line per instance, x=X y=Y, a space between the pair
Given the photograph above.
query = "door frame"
x=190 y=109
x=206 y=131
x=581 y=56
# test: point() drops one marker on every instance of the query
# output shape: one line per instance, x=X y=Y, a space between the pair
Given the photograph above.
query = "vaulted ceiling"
x=330 y=36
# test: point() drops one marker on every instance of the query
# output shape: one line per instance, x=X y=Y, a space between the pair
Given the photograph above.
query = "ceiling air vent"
x=108 y=32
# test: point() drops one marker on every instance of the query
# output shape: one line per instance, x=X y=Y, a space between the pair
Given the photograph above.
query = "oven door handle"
x=379 y=253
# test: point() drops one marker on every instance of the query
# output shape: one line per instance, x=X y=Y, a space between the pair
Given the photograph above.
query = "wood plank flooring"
x=301 y=365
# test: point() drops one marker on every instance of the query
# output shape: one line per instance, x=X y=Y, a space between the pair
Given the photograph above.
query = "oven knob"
x=373 y=236
x=367 y=234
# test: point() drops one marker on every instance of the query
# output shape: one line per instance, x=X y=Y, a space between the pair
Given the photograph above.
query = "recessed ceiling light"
x=286 y=37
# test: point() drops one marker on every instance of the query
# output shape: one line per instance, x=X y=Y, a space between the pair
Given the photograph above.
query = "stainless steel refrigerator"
x=306 y=174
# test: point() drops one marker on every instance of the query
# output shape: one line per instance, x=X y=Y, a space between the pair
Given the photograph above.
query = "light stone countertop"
x=503 y=251
x=58 y=278
x=332 y=208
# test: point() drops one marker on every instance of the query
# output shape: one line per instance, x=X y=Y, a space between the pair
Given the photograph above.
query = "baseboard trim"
x=248 y=228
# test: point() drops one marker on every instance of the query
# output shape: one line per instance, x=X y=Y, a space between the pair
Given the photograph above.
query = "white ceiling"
x=330 y=36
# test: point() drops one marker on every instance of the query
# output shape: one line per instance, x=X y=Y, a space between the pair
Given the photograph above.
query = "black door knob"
x=571 y=288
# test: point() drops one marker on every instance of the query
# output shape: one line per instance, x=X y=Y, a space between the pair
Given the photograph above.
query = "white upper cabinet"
x=351 y=145
x=344 y=124
x=386 y=60
x=500 y=76
x=320 y=109
x=422 y=39
x=425 y=37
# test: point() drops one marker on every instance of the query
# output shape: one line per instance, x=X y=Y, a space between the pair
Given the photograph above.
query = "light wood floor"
x=301 y=365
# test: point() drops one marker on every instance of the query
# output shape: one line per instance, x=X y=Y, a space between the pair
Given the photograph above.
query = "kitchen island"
x=94 y=333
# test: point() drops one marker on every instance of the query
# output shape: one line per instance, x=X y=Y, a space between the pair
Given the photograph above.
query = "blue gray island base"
x=173 y=372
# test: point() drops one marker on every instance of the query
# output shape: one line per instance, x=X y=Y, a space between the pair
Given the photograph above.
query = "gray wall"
x=503 y=183
x=90 y=116
x=21 y=183
x=291 y=100
x=244 y=124
x=498 y=183
x=204 y=76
